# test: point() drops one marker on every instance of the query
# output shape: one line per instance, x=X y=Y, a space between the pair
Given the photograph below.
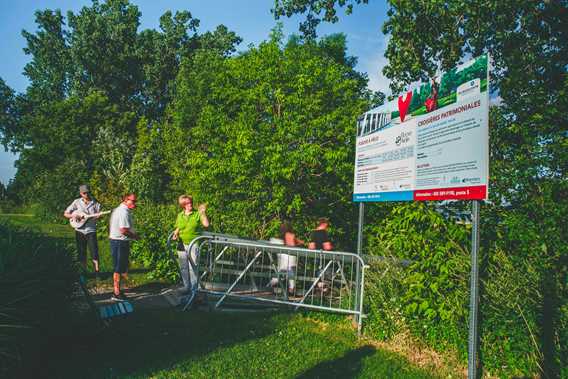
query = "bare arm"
x=291 y=240
x=129 y=233
x=203 y=216
x=70 y=215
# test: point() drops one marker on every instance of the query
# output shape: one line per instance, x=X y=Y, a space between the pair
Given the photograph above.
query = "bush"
x=154 y=223
x=37 y=278
x=430 y=298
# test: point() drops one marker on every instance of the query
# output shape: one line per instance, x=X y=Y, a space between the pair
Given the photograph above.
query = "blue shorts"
x=120 y=251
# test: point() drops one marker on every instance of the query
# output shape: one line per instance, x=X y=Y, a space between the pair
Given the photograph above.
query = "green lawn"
x=173 y=344
x=169 y=343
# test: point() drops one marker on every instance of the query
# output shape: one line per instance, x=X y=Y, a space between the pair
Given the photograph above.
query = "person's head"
x=285 y=228
x=186 y=202
x=130 y=200
x=85 y=191
x=323 y=223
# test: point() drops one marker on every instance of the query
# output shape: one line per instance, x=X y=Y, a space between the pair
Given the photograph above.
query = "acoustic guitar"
x=83 y=217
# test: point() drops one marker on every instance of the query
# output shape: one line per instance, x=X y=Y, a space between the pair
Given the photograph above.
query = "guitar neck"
x=97 y=214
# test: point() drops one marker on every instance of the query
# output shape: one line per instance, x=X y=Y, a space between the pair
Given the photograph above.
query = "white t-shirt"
x=120 y=218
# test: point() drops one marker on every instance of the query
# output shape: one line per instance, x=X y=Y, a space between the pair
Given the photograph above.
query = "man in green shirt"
x=188 y=222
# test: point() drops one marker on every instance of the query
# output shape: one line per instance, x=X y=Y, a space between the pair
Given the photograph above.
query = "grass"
x=65 y=234
x=168 y=343
x=173 y=344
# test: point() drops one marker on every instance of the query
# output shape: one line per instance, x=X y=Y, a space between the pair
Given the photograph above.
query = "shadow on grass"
x=151 y=340
x=367 y=362
x=348 y=366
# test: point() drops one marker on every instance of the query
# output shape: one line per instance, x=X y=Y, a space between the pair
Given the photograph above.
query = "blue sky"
x=250 y=19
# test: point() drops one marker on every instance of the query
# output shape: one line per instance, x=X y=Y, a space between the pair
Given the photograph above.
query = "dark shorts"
x=85 y=241
x=120 y=250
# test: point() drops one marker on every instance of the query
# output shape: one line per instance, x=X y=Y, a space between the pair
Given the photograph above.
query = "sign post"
x=431 y=143
x=359 y=250
x=474 y=293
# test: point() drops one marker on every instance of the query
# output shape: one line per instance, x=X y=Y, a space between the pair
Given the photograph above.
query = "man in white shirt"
x=86 y=235
x=121 y=232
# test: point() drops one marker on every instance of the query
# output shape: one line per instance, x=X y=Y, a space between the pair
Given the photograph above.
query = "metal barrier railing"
x=261 y=271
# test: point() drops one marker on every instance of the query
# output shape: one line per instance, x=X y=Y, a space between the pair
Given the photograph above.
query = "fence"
x=262 y=271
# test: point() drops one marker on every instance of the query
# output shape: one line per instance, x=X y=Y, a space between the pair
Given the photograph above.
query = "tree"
x=49 y=70
x=91 y=67
x=313 y=8
x=7 y=114
x=268 y=135
x=62 y=135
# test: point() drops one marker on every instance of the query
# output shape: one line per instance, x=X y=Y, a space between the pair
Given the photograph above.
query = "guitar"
x=76 y=224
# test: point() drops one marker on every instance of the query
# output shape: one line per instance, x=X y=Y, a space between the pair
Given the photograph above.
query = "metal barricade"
x=261 y=271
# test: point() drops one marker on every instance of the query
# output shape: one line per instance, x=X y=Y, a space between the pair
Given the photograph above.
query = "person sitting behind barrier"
x=287 y=263
x=187 y=224
x=319 y=238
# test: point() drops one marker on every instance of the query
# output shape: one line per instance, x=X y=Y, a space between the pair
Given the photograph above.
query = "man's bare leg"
x=116 y=282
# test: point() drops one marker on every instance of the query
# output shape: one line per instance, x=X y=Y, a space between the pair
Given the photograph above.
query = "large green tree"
x=98 y=54
x=268 y=135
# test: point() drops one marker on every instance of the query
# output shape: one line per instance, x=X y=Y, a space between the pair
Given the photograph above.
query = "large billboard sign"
x=431 y=143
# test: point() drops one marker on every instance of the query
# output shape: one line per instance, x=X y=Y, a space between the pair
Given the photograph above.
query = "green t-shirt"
x=188 y=225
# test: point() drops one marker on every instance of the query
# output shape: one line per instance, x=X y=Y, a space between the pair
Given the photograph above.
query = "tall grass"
x=37 y=278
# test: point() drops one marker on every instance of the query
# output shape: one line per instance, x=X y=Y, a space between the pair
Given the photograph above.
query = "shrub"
x=37 y=278
x=430 y=298
x=154 y=223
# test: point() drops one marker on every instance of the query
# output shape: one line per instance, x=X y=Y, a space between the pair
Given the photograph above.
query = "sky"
x=250 y=19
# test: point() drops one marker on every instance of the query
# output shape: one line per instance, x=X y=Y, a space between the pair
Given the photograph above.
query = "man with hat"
x=85 y=235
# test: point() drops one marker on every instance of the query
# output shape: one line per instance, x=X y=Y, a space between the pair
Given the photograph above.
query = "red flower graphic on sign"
x=403 y=105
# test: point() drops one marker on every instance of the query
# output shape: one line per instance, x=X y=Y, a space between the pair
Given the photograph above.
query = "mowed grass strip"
x=173 y=344
x=65 y=234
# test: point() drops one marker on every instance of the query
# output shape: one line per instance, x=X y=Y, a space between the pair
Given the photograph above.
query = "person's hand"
x=202 y=208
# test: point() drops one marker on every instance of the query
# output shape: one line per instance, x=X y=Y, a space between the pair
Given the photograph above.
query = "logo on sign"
x=471 y=180
x=403 y=138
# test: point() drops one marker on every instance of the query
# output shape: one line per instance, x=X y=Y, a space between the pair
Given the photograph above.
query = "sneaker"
x=119 y=297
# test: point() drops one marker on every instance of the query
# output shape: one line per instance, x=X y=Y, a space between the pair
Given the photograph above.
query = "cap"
x=84 y=188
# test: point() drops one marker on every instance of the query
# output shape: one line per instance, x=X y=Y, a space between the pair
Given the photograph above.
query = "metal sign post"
x=474 y=293
x=359 y=249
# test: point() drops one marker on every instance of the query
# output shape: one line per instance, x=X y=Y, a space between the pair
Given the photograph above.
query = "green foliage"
x=432 y=292
x=154 y=223
x=146 y=173
x=430 y=297
x=37 y=277
x=528 y=43
x=66 y=148
x=267 y=135
x=93 y=75
x=313 y=8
